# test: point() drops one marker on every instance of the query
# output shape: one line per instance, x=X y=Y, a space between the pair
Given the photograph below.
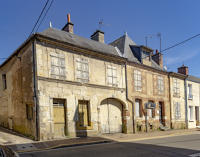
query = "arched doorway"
x=111 y=116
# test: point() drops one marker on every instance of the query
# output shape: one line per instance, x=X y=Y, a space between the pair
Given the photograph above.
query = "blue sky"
x=176 y=20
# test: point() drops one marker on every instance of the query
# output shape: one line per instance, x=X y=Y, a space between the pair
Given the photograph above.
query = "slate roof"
x=129 y=50
x=79 y=41
x=193 y=79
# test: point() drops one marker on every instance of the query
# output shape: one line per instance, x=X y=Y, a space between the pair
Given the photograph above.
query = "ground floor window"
x=190 y=113
x=177 y=110
x=138 y=108
x=84 y=113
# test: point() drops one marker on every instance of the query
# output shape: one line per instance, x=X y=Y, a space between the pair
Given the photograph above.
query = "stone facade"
x=72 y=90
x=17 y=94
x=148 y=93
x=177 y=98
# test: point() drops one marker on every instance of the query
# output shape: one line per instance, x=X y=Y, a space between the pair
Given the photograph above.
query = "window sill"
x=191 y=120
x=84 y=127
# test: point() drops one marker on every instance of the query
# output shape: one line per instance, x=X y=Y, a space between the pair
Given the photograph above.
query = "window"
x=151 y=111
x=29 y=111
x=58 y=66
x=177 y=110
x=138 y=108
x=82 y=70
x=137 y=80
x=112 y=75
x=4 y=81
x=190 y=113
x=83 y=113
x=176 y=87
x=160 y=85
x=190 y=95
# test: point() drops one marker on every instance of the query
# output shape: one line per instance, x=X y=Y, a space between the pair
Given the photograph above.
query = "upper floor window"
x=176 y=87
x=177 y=110
x=160 y=85
x=112 y=75
x=58 y=66
x=137 y=80
x=82 y=70
x=190 y=95
x=4 y=81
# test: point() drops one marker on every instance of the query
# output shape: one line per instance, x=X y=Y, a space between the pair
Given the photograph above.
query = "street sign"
x=150 y=105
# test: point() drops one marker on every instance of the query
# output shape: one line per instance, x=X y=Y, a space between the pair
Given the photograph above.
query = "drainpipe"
x=35 y=91
x=133 y=112
x=186 y=104
x=170 y=101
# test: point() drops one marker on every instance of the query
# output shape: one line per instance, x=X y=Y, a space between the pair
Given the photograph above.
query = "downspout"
x=186 y=104
x=170 y=101
x=133 y=111
x=35 y=91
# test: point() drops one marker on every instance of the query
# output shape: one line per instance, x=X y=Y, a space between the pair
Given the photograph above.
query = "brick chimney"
x=69 y=27
x=98 y=36
x=158 y=58
x=183 y=70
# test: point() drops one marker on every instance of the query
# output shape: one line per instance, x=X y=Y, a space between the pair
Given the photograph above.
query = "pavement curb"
x=65 y=145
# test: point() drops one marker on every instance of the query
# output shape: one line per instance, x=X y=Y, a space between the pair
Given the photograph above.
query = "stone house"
x=59 y=84
x=192 y=98
x=177 y=100
x=148 y=85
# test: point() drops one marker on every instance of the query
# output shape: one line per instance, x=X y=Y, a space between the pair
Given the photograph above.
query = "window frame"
x=176 y=87
x=177 y=110
x=58 y=62
x=137 y=80
x=82 y=70
x=112 y=76
x=160 y=81
x=4 y=81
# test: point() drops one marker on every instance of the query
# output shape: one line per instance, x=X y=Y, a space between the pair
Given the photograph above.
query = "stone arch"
x=112 y=117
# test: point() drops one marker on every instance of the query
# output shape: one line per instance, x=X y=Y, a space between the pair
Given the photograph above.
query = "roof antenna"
x=101 y=24
x=50 y=24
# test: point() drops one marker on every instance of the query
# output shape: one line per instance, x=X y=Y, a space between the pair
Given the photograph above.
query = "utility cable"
x=39 y=17
x=182 y=42
x=44 y=15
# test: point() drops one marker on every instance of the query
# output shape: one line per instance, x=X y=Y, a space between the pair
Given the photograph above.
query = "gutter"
x=133 y=111
x=35 y=91
x=186 y=104
x=170 y=101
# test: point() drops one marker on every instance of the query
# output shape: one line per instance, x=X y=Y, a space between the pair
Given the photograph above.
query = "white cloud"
x=180 y=58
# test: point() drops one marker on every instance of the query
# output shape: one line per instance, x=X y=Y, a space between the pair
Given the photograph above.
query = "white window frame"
x=191 y=113
x=58 y=69
x=82 y=70
x=177 y=110
x=190 y=95
x=112 y=75
x=160 y=81
x=176 y=88
x=138 y=80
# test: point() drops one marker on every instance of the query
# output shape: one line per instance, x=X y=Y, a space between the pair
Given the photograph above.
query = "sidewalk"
x=120 y=137
x=45 y=145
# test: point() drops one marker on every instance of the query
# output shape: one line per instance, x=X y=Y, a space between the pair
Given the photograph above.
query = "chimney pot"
x=158 y=58
x=69 y=27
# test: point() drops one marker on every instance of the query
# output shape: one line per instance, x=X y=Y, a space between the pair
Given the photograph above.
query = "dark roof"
x=126 y=45
x=193 y=79
x=79 y=41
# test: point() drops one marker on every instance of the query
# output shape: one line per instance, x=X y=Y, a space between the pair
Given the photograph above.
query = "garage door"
x=111 y=116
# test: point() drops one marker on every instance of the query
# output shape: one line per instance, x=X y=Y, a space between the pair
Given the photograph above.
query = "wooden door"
x=59 y=118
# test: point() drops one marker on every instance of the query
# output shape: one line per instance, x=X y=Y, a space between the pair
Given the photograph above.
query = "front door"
x=59 y=118
x=197 y=115
x=161 y=113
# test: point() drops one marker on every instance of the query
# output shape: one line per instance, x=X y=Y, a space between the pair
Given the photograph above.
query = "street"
x=176 y=146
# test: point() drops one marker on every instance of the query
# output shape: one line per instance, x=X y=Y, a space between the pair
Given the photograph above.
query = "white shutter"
x=137 y=108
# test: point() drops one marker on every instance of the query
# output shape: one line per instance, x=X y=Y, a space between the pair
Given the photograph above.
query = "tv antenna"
x=101 y=24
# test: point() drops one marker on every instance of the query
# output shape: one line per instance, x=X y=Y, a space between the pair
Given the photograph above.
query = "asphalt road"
x=177 y=146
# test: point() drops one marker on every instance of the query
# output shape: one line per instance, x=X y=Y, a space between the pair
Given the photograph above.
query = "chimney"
x=69 y=26
x=98 y=36
x=183 y=70
x=158 y=58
